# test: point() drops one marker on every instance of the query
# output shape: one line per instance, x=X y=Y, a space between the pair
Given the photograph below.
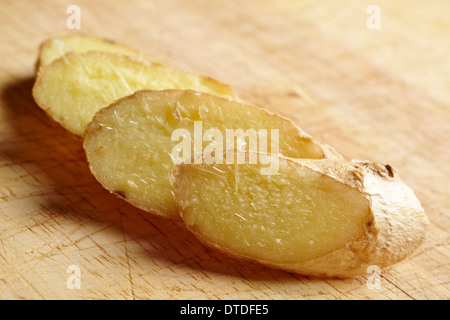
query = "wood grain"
x=380 y=95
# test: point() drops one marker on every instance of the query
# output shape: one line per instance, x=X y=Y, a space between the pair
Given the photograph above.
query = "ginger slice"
x=314 y=217
x=133 y=144
x=56 y=47
x=74 y=87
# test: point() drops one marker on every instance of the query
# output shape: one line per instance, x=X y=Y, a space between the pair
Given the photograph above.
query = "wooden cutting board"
x=376 y=94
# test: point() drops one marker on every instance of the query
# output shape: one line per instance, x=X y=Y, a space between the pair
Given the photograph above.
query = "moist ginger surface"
x=74 y=87
x=292 y=216
x=129 y=145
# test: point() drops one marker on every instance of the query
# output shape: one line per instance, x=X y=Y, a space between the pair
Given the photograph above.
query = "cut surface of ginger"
x=131 y=145
x=295 y=215
x=320 y=217
x=74 y=87
x=55 y=48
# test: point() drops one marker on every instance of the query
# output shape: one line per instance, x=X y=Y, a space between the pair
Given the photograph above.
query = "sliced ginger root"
x=314 y=217
x=74 y=87
x=131 y=148
x=56 y=47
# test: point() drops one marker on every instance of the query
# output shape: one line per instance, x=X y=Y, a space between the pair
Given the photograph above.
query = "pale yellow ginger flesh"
x=55 y=48
x=314 y=217
x=132 y=145
x=295 y=215
x=74 y=87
